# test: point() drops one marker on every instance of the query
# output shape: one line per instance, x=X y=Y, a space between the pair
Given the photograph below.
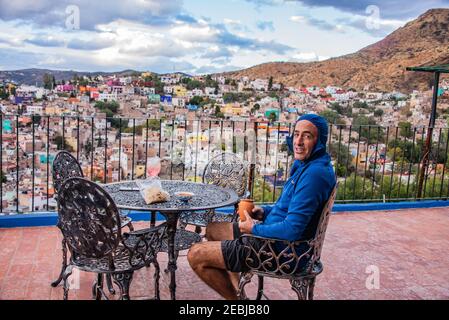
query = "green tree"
x=360 y=105
x=3 y=177
x=378 y=113
x=270 y=83
x=263 y=192
x=196 y=100
x=88 y=149
x=405 y=129
x=331 y=116
x=369 y=130
x=356 y=187
x=272 y=117
x=3 y=94
x=49 y=81
x=194 y=84
x=62 y=144
x=36 y=119
x=343 y=159
x=218 y=112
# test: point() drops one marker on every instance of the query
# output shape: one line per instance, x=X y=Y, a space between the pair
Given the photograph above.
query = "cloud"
x=226 y=38
x=91 y=13
x=46 y=41
x=115 y=41
x=265 y=25
x=208 y=69
x=398 y=9
x=219 y=34
x=318 y=23
x=376 y=28
x=387 y=8
x=216 y=52
x=307 y=57
x=94 y=44
x=186 y=18
x=260 y=3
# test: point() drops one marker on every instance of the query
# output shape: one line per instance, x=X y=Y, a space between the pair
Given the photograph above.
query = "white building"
x=260 y=84
x=37 y=92
x=35 y=109
x=107 y=96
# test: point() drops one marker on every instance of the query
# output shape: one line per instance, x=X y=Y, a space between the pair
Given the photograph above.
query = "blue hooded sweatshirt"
x=296 y=213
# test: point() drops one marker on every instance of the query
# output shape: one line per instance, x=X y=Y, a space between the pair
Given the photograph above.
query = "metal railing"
x=372 y=163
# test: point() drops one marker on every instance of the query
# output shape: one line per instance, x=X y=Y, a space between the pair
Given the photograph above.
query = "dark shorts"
x=235 y=252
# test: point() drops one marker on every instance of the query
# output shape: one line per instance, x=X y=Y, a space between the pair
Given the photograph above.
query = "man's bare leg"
x=206 y=259
x=219 y=231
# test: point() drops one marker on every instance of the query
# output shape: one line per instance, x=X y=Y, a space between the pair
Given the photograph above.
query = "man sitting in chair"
x=294 y=216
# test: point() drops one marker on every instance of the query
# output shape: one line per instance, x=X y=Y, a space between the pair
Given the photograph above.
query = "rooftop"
x=409 y=248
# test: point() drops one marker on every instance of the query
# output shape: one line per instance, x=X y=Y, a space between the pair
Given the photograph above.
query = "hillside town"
x=114 y=123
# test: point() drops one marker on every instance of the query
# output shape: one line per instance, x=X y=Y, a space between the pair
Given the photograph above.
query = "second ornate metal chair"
x=297 y=261
x=225 y=170
x=67 y=166
x=90 y=224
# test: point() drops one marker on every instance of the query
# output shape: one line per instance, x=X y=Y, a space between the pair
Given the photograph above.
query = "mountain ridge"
x=381 y=65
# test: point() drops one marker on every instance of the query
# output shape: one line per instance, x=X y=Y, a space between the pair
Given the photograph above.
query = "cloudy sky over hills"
x=194 y=36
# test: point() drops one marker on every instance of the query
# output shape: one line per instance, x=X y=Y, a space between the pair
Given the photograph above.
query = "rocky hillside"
x=423 y=41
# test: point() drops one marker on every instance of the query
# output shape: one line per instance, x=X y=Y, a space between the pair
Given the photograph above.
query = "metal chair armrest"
x=144 y=244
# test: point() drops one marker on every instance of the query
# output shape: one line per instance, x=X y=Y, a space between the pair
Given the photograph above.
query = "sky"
x=192 y=36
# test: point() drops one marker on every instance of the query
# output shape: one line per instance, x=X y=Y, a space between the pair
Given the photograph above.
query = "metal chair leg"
x=123 y=281
x=64 y=264
x=97 y=287
x=66 y=275
x=300 y=286
x=156 y=277
x=109 y=283
x=245 y=278
x=260 y=288
x=311 y=289
x=176 y=258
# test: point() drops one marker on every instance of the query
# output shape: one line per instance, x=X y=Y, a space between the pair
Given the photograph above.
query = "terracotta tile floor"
x=409 y=248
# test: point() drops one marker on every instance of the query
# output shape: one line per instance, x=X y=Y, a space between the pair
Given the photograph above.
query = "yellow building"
x=179 y=91
x=11 y=87
x=146 y=74
x=201 y=138
x=234 y=109
x=139 y=171
x=55 y=111
x=72 y=142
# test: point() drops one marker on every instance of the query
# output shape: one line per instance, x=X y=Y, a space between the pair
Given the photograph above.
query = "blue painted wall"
x=50 y=219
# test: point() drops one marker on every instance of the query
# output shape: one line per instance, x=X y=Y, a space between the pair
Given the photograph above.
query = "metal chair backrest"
x=65 y=166
x=227 y=170
x=322 y=225
x=89 y=218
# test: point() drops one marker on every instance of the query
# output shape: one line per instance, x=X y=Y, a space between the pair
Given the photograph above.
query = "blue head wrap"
x=320 y=123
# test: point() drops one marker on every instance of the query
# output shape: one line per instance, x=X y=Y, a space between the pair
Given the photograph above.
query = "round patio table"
x=126 y=195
